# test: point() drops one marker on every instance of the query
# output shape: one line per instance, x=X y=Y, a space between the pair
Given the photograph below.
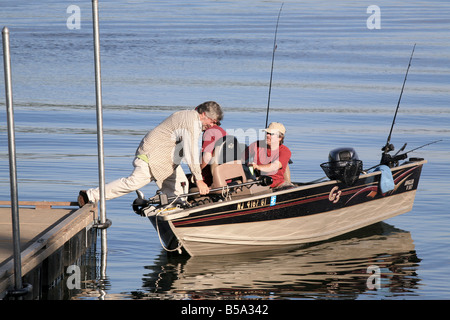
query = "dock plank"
x=42 y=232
x=41 y=204
x=32 y=223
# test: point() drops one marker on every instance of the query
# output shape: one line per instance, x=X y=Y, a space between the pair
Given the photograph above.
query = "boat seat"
x=228 y=172
x=226 y=164
x=287 y=175
x=287 y=184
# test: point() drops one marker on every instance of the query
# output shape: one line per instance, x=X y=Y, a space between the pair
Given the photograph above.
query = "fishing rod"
x=389 y=147
x=273 y=58
x=424 y=145
x=391 y=161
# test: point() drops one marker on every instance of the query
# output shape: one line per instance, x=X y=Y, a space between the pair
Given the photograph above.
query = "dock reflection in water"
x=327 y=270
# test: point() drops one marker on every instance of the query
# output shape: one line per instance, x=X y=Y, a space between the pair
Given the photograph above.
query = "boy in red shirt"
x=271 y=156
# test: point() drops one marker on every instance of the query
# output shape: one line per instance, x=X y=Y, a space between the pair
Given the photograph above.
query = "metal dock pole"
x=19 y=289
x=103 y=222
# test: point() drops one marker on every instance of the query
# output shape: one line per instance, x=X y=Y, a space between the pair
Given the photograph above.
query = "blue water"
x=335 y=83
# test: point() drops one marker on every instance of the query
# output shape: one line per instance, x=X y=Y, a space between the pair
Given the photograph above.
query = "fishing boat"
x=242 y=213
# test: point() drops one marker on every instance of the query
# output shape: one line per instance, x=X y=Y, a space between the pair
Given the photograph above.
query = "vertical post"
x=103 y=223
x=12 y=161
x=98 y=92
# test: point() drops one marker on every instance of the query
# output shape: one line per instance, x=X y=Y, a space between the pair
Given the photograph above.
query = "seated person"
x=210 y=137
x=270 y=157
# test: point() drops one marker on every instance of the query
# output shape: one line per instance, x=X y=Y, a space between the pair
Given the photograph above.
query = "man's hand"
x=254 y=165
x=202 y=187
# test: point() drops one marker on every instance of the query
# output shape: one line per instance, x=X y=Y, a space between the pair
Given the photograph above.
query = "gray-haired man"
x=159 y=155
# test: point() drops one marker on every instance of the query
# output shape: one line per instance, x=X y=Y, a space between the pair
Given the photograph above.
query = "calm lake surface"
x=336 y=82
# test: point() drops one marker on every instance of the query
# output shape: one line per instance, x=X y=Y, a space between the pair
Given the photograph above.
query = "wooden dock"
x=45 y=227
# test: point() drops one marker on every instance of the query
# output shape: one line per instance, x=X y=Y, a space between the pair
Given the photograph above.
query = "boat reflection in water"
x=337 y=268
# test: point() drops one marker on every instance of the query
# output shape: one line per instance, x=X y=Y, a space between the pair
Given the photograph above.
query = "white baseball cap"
x=276 y=127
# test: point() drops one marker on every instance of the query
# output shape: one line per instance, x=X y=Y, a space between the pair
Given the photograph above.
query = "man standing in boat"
x=271 y=156
x=159 y=155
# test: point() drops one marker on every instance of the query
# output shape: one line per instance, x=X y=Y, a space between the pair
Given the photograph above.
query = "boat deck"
x=44 y=228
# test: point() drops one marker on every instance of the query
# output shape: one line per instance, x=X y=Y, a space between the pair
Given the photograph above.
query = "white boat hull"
x=270 y=235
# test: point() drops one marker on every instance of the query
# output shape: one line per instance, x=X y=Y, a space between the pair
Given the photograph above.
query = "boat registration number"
x=409 y=184
x=252 y=204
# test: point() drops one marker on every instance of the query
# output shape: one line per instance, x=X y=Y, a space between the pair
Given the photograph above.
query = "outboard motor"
x=343 y=165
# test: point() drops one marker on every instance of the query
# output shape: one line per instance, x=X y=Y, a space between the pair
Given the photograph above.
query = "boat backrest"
x=287 y=175
x=226 y=164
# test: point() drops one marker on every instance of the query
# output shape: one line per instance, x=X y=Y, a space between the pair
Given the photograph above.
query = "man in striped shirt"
x=159 y=155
